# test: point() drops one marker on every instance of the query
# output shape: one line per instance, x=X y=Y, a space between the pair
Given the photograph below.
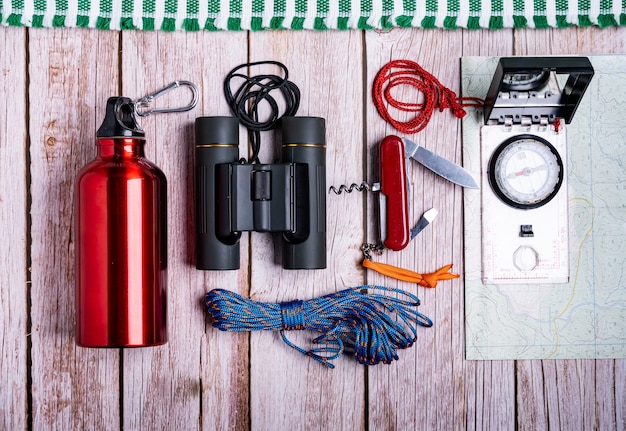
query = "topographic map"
x=585 y=317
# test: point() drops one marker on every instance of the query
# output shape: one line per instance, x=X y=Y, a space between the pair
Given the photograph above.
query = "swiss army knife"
x=393 y=187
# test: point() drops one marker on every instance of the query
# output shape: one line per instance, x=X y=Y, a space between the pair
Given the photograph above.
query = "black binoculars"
x=287 y=197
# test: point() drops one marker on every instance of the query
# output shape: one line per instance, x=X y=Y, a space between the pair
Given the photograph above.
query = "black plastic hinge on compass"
x=536 y=90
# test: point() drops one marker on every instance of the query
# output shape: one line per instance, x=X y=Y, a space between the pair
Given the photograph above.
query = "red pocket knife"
x=393 y=187
x=394 y=212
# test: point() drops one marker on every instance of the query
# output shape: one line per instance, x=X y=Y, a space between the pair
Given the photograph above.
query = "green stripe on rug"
x=190 y=23
x=385 y=20
x=40 y=7
x=452 y=13
x=539 y=18
x=280 y=6
x=149 y=9
x=126 y=21
x=496 y=22
x=82 y=17
x=406 y=19
x=15 y=17
x=323 y=9
x=366 y=10
x=258 y=7
x=104 y=17
x=59 y=14
x=606 y=18
x=213 y=9
x=519 y=14
x=473 y=21
x=562 y=8
x=169 y=20
x=431 y=14
x=583 y=13
x=297 y=23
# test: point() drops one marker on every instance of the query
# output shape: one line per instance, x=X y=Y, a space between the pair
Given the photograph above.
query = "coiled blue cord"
x=351 y=320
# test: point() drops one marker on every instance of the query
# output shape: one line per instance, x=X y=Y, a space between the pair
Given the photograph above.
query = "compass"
x=525 y=81
x=523 y=164
x=526 y=171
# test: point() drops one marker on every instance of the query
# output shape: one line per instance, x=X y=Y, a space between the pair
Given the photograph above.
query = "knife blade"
x=439 y=165
x=424 y=221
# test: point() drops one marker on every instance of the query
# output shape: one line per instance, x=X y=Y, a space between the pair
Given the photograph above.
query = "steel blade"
x=439 y=165
x=424 y=221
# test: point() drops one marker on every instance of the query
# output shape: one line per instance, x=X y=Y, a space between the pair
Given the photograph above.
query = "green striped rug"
x=194 y=15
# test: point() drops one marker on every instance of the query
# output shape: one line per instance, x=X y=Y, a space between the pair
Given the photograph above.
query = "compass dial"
x=526 y=172
x=525 y=81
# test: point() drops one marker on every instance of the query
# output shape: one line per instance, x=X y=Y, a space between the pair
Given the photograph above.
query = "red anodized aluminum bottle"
x=121 y=239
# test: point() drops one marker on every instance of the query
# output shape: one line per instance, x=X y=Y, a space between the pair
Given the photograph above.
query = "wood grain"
x=71 y=76
x=436 y=363
x=289 y=390
x=167 y=387
x=571 y=398
x=53 y=88
x=489 y=385
x=13 y=213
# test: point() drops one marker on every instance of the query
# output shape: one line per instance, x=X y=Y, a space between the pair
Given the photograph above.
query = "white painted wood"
x=435 y=364
x=13 y=193
x=619 y=394
x=206 y=379
x=489 y=386
x=166 y=387
x=574 y=398
x=289 y=390
x=71 y=74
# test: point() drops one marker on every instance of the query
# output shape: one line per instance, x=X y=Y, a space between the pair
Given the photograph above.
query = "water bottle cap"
x=120 y=120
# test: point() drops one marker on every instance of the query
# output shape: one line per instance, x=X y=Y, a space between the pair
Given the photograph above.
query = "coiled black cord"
x=245 y=101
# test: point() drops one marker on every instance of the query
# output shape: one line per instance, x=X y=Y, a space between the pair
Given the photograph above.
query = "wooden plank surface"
x=70 y=77
x=569 y=383
x=13 y=214
x=169 y=386
x=436 y=364
x=287 y=389
x=412 y=378
x=53 y=90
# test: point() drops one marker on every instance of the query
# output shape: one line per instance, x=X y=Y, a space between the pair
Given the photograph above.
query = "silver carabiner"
x=142 y=105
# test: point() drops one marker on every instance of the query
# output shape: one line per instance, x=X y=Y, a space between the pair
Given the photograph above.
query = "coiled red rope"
x=406 y=72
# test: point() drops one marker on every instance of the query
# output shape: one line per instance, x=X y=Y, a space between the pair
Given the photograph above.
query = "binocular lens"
x=217 y=142
x=288 y=196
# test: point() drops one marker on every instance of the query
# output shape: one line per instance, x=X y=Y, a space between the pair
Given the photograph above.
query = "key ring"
x=368 y=248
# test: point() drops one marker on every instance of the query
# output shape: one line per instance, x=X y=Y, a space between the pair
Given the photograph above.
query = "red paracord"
x=435 y=95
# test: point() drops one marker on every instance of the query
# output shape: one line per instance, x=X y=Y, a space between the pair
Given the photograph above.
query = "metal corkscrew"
x=364 y=186
x=393 y=188
x=393 y=195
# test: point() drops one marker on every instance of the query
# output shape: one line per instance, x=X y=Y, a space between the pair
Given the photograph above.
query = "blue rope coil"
x=352 y=320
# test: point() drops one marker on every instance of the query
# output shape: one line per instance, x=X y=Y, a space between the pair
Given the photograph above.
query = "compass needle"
x=533 y=183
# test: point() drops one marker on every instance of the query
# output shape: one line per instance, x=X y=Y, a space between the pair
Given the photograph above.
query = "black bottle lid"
x=120 y=120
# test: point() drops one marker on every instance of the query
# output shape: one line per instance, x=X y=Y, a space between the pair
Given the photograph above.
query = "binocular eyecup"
x=234 y=197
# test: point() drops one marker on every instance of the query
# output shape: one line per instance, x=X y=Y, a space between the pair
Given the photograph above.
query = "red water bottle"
x=121 y=239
